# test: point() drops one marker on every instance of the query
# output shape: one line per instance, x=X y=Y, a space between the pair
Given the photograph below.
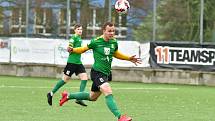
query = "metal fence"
x=147 y=20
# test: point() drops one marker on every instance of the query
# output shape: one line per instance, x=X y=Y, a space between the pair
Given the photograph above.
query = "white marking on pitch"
x=114 y=88
x=155 y=88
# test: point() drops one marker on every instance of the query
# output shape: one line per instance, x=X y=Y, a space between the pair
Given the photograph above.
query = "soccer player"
x=74 y=65
x=104 y=49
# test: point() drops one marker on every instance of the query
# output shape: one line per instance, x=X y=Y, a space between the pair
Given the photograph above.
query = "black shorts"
x=110 y=77
x=98 y=79
x=74 y=68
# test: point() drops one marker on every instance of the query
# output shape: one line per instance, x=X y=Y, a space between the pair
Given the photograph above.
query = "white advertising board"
x=127 y=48
x=53 y=51
x=144 y=54
x=87 y=57
x=61 y=53
x=4 y=50
x=32 y=50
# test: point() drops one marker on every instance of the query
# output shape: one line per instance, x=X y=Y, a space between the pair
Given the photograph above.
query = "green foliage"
x=178 y=20
x=209 y=21
x=144 y=31
x=1 y=14
x=7 y=0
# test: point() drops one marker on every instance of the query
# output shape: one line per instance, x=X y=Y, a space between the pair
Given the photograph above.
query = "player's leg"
x=105 y=88
x=81 y=73
x=109 y=99
x=93 y=96
x=83 y=77
x=100 y=81
x=59 y=84
x=68 y=71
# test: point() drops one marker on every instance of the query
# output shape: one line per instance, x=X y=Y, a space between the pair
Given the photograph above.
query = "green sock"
x=59 y=84
x=112 y=105
x=83 y=85
x=79 y=96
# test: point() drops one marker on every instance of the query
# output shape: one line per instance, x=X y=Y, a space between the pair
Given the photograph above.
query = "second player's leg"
x=59 y=84
x=83 y=77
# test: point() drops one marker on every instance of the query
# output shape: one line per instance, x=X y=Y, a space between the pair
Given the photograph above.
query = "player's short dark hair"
x=77 y=26
x=107 y=24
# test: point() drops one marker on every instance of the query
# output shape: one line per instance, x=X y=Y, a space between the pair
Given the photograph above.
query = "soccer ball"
x=122 y=6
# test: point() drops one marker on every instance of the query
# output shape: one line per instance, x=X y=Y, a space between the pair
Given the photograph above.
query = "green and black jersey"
x=75 y=41
x=103 y=53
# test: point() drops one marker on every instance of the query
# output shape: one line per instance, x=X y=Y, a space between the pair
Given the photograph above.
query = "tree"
x=178 y=20
x=137 y=19
x=209 y=21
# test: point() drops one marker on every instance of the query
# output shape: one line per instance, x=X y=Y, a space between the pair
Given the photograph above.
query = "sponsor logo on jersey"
x=107 y=51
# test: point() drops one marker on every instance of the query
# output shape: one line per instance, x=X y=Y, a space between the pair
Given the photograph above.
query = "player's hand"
x=135 y=60
x=69 y=49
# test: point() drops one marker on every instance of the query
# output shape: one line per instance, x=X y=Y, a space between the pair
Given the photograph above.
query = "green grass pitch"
x=24 y=99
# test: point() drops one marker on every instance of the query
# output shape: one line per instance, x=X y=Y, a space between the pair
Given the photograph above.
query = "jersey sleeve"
x=71 y=41
x=92 y=44
x=121 y=56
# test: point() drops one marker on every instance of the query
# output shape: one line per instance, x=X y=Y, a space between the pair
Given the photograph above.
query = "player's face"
x=78 y=31
x=109 y=32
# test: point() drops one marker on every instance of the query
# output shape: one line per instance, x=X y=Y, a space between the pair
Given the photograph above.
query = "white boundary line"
x=146 y=88
x=116 y=88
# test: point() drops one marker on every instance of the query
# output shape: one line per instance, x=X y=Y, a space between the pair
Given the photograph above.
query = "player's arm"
x=122 y=56
x=78 y=50
x=70 y=46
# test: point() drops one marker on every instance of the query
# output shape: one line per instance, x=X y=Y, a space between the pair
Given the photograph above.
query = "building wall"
x=48 y=19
